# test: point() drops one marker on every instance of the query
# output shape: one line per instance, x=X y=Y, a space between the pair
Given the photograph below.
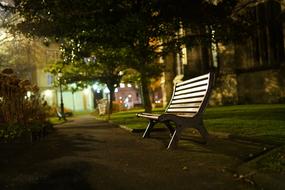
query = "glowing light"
x=106 y=90
x=116 y=90
x=48 y=93
x=129 y=85
x=86 y=91
x=95 y=86
x=29 y=93
x=73 y=85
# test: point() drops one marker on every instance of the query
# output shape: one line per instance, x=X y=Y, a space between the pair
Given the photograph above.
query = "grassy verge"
x=265 y=122
x=256 y=121
x=129 y=118
x=55 y=120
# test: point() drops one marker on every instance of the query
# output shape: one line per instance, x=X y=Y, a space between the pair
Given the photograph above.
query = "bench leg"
x=148 y=129
x=170 y=127
x=175 y=138
x=203 y=131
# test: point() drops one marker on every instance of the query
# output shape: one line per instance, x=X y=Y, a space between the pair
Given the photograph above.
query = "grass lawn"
x=55 y=120
x=264 y=122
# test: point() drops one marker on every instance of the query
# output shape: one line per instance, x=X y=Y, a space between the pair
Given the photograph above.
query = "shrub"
x=22 y=109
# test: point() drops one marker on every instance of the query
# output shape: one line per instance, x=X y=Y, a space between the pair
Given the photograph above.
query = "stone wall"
x=249 y=88
x=261 y=87
x=225 y=90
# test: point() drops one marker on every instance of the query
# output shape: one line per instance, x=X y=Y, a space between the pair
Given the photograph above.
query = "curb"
x=140 y=130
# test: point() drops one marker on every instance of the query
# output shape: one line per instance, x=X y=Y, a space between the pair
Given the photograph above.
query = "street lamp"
x=61 y=97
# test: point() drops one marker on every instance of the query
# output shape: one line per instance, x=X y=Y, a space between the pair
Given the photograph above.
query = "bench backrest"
x=190 y=97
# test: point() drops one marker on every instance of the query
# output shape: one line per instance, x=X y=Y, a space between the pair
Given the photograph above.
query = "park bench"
x=185 y=109
x=66 y=114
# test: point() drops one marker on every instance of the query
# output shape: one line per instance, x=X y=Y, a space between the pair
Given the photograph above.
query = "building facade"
x=250 y=70
x=29 y=60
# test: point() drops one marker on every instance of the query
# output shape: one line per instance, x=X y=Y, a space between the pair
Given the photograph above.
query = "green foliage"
x=10 y=132
x=17 y=53
x=130 y=26
x=144 y=30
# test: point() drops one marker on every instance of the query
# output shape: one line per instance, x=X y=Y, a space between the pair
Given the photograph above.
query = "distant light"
x=95 y=86
x=122 y=85
x=106 y=90
x=73 y=85
x=48 y=93
x=116 y=90
x=129 y=85
x=86 y=91
x=129 y=95
x=29 y=93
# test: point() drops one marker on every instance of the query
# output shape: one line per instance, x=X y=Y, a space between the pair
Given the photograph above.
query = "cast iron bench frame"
x=185 y=109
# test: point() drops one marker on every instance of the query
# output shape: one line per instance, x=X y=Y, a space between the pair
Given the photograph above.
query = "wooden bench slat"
x=192 y=85
x=148 y=115
x=186 y=114
x=202 y=77
x=190 y=105
x=191 y=90
x=193 y=110
x=196 y=99
x=184 y=96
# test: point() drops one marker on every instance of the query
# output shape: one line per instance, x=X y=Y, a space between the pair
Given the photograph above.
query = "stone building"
x=251 y=70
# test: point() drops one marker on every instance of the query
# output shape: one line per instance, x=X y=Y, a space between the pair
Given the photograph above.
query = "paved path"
x=88 y=154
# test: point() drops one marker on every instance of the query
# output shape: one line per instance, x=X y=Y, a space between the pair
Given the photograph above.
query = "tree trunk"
x=145 y=93
x=111 y=98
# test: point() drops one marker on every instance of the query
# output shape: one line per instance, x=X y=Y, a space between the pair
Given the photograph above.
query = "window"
x=49 y=79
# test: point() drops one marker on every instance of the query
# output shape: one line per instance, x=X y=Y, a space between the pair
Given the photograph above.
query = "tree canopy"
x=143 y=29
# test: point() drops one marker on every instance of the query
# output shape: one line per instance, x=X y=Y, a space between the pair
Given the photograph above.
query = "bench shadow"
x=237 y=148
